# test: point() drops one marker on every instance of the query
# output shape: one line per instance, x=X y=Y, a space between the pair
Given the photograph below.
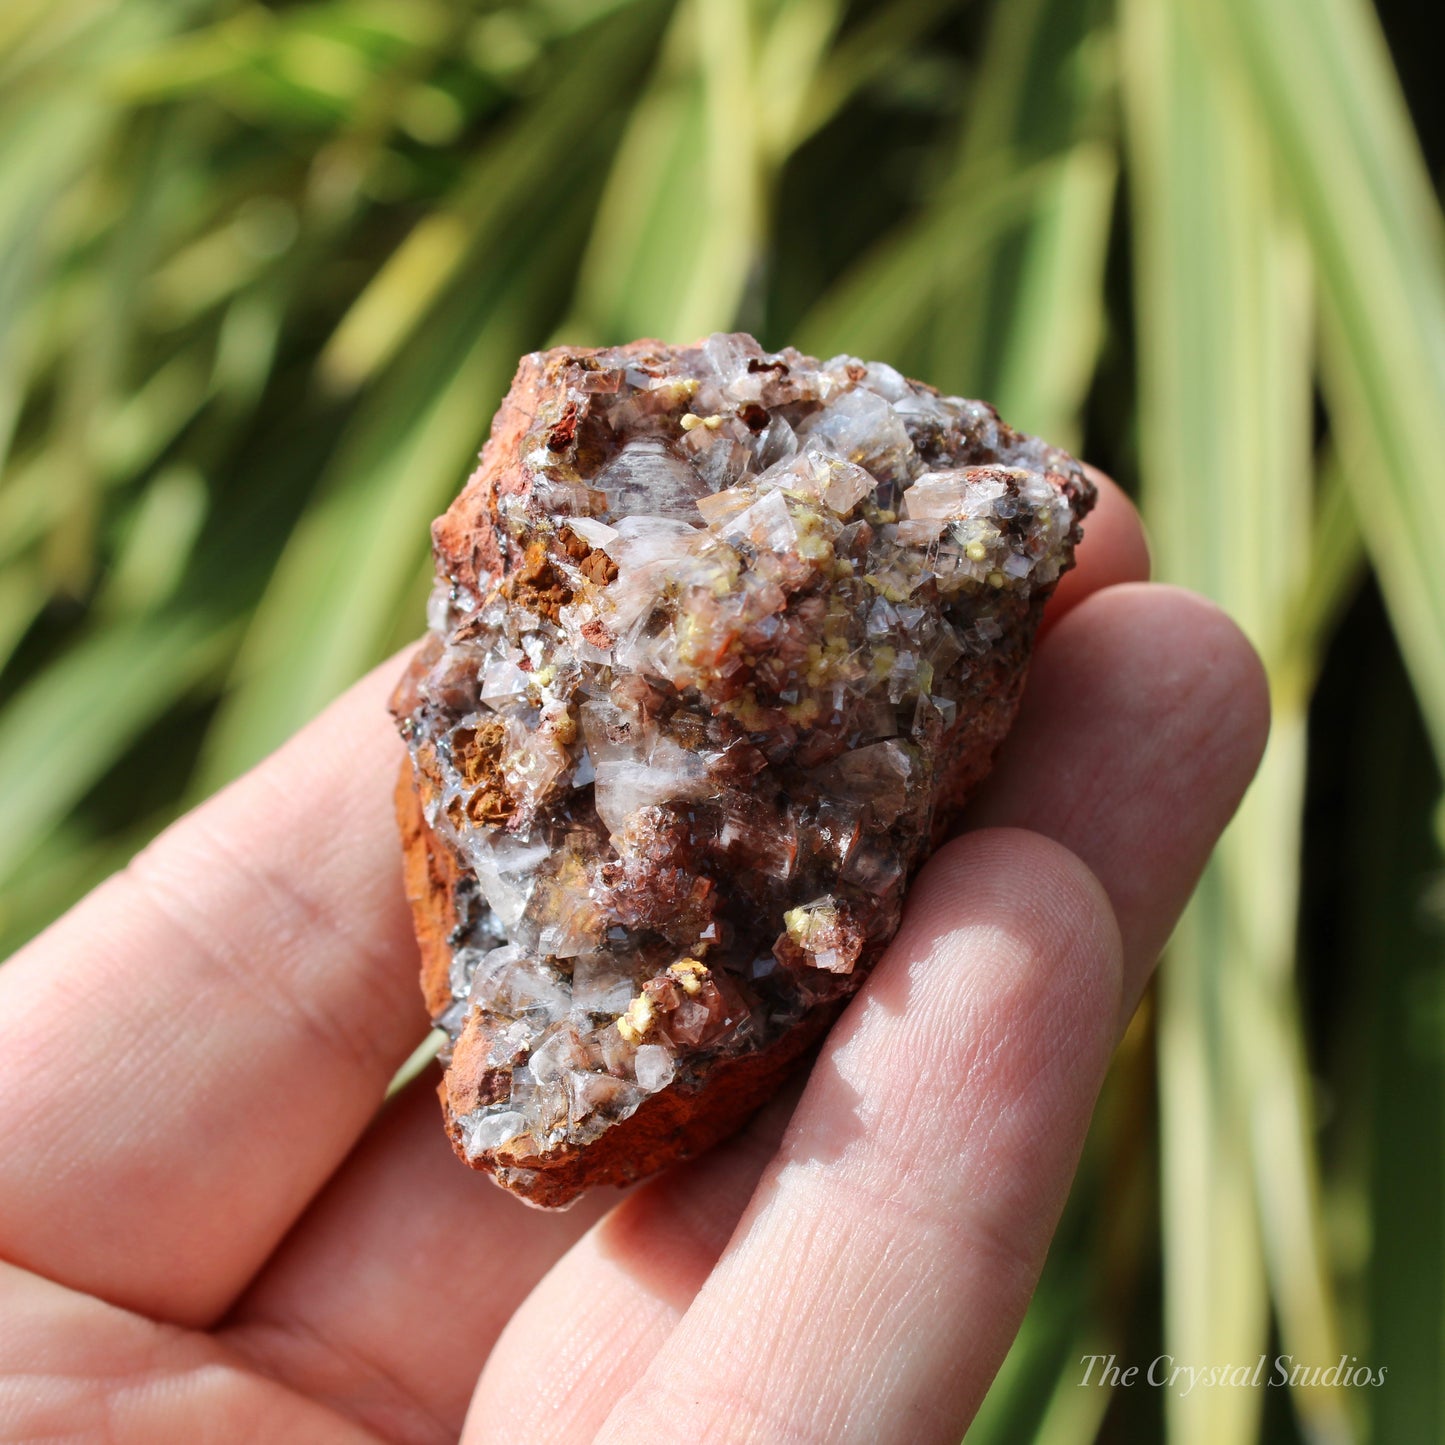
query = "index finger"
x=188 y=1054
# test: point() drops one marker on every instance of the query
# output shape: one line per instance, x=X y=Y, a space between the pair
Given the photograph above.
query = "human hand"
x=209 y=1233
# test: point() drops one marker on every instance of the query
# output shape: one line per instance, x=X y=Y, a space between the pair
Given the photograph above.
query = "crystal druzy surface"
x=720 y=643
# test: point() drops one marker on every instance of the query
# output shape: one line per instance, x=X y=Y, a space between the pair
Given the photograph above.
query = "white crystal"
x=624 y=787
x=718 y=509
x=510 y=979
x=647 y=478
x=482 y=1132
x=642 y=541
x=655 y=1067
x=728 y=353
x=861 y=427
x=503 y=680
x=600 y=1099
x=775 y=443
x=942 y=495
x=814 y=473
x=439 y=607
x=767 y=524
x=561 y=1053
x=542 y=1102
x=505 y=865
x=887 y=382
x=915 y=532
x=725 y=463
x=591 y=531
x=600 y=985
x=463 y=966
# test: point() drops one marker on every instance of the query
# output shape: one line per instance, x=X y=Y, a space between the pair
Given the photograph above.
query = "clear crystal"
x=655 y=1068
x=648 y=479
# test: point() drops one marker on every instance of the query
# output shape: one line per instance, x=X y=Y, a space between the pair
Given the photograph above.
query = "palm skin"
x=208 y=1232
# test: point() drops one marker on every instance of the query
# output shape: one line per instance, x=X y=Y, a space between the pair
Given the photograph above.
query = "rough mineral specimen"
x=721 y=640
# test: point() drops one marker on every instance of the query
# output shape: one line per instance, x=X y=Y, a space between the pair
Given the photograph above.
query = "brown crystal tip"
x=721 y=641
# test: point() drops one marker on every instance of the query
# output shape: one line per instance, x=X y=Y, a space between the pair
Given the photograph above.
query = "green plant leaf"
x=1321 y=78
x=65 y=730
x=1225 y=346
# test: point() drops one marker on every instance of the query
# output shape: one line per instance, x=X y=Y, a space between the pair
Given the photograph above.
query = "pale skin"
x=209 y=1233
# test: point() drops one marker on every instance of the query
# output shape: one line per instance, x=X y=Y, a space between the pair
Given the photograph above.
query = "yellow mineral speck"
x=747 y=710
x=544 y=676
x=689 y=973
x=638 y=1019
x=687 y=651
x=976 y=551
x=712 y=423
x=753 y=716
x=690 y=422
x=892 y=588
x=726 y=567
x=803 y=924
x=813 y=546
x=995 y=579
x=805 y=712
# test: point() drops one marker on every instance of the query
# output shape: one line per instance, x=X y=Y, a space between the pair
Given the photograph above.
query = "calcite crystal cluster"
x=721 y=640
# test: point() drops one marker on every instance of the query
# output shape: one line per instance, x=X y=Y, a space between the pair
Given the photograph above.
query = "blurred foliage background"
x=265 y=271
